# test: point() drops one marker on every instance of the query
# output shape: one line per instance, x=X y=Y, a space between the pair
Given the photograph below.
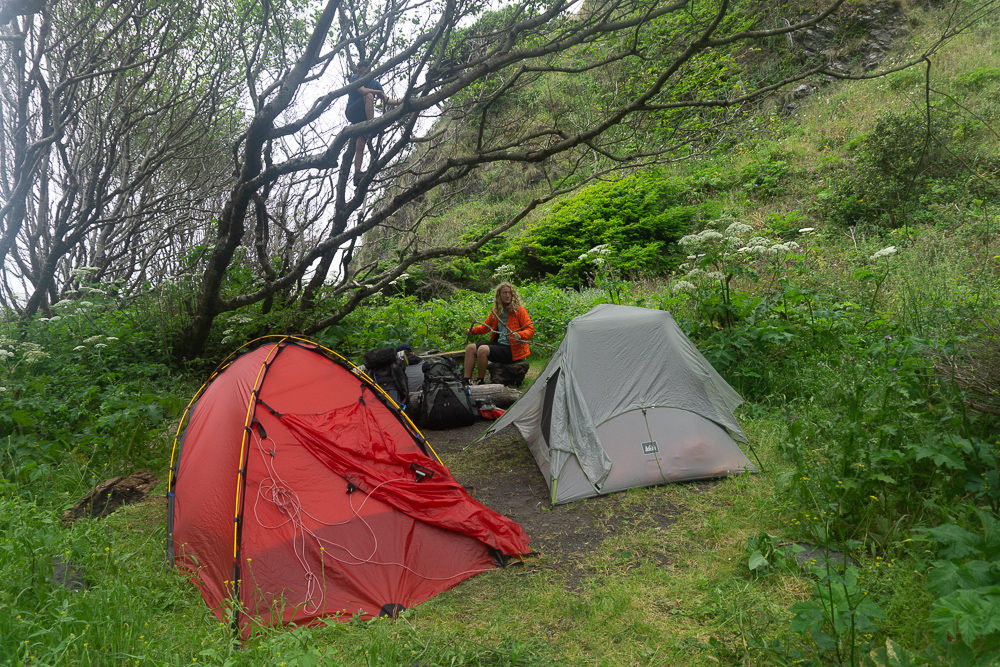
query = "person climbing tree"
x=361 y=107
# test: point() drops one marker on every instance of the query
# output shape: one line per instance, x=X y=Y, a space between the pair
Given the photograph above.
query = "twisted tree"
x=115 y=118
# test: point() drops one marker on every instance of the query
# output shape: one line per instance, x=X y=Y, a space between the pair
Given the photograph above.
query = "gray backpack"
x=446 y=402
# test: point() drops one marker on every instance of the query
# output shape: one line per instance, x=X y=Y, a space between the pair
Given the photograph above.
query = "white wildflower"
x=684 y=266
x=694 y=273
x=784 y=248
x=32 y=356
x=79 y=347
x=62 y=304
x=714 y=275
x=503 y=271
x=738 y=229
x=692 y=256
x=583 y=256
x=83 y=271
x=227 y=340
x=111 y=338
x=709 y=235
x=240 y=319
x=758 y=241
x=400 y=279
x=778 y=249
x=55 y=318
x=600 y=249
x=3 y=389
x=884 y=252
x=683 y=286
x=92 y=339
x=86 y=304
x=806 y=230
x=690 y=239
x=100 y=345
x=5 y=354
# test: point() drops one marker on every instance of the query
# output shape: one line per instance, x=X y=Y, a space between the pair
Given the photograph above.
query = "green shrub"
x=638 y=218
x=979 y=78
x=892 y=170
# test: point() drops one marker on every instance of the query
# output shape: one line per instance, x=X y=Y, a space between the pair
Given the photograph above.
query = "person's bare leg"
x=359 y=154
x=483 y=354
x=470 y=360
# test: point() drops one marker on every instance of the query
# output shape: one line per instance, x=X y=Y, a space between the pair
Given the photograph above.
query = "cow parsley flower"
x=884 y=252
x=32 y=356
x=738 y=229
x=684 y=287
x=503 y=272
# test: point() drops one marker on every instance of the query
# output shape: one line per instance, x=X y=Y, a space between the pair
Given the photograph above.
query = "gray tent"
x=627 y=401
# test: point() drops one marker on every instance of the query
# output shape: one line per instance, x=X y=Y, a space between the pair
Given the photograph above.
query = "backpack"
x=389 y=372
x=446 y=401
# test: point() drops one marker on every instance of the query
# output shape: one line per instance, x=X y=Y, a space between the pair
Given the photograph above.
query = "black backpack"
x=383 y=366
x=446 y=402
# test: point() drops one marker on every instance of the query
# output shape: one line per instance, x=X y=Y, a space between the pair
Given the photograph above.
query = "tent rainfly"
x=627 y=401
x=299 y=490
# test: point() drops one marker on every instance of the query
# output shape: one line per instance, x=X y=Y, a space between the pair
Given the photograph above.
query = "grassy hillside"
x=840 y=268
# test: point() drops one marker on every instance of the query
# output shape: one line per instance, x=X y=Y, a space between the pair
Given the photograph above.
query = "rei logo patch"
x=650 y=448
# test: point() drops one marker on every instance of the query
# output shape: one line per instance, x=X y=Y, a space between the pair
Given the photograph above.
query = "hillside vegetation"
x=836 y=256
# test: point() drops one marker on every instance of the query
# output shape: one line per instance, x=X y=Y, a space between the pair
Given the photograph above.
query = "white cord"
x=278 y=492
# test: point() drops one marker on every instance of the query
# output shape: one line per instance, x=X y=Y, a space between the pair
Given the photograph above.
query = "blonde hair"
x=515 y=301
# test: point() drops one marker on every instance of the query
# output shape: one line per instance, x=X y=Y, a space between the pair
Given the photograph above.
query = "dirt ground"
x=506 y=479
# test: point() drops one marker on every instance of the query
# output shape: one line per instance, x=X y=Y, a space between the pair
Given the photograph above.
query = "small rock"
x=69 y=574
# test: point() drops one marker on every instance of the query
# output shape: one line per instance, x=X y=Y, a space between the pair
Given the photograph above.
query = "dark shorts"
x=356 y=111
x=498 y=353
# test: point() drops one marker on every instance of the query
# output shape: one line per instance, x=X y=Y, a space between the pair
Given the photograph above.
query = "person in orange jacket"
x=511 y=328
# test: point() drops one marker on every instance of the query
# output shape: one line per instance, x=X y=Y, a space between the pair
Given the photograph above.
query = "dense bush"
x=897 y=165
x=638 y=220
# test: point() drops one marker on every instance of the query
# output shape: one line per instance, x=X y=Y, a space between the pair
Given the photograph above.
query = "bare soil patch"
x=506 y=479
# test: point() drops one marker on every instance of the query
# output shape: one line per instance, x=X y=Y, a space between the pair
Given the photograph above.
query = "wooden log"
x=111 y=494
x=503 y=397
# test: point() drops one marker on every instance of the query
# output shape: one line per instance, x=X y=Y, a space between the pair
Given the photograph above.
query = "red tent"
x=300 y=490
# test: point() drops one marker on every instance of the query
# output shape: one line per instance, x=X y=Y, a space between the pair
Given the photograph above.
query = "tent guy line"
x=295 y=518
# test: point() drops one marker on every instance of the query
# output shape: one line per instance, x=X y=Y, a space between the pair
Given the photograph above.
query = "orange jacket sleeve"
x=491 y=325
